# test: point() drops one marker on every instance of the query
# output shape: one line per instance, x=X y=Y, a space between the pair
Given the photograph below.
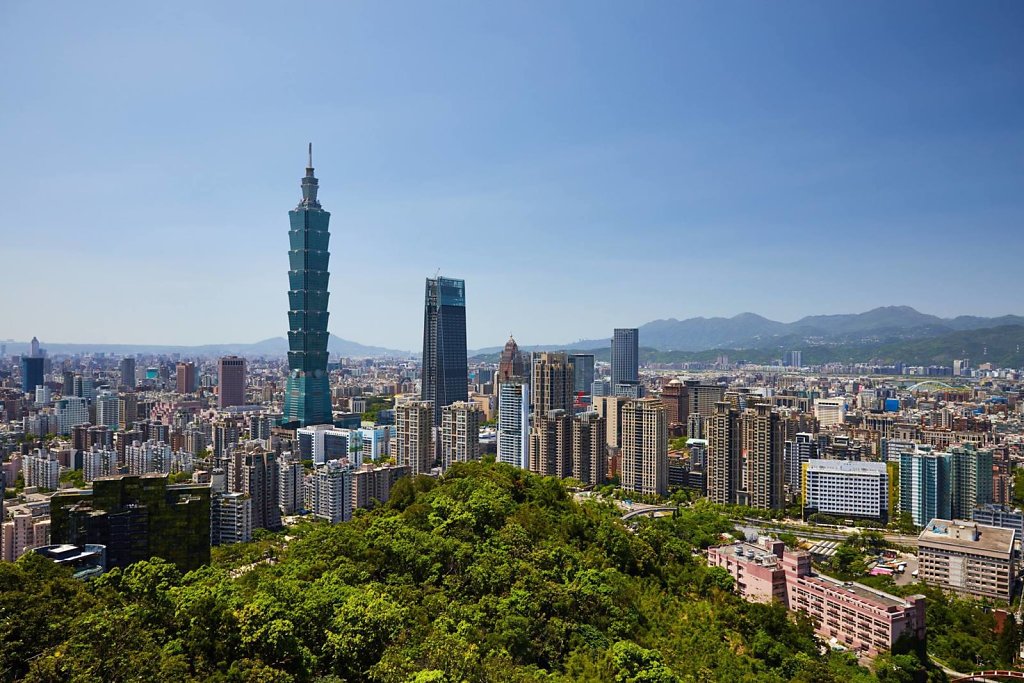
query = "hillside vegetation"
x=491 y=574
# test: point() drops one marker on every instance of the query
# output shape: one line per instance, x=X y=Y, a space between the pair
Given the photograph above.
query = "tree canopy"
x=489 y=574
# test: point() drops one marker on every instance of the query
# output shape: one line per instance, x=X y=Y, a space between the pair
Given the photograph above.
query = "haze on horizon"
x=582 y=166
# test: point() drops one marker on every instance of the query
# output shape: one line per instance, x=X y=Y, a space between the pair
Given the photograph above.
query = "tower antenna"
x=310 y=165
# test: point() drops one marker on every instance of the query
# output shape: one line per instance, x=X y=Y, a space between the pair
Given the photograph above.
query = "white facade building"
x=71 y=411
x=290 y=486
x=98 y=462
x=830 y=411
x=846 y=488
x=332 y=492
x=42 y=469
x=514 y=424
x=230 y=518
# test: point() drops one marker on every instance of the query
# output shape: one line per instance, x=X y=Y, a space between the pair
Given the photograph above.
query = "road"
x=798 y=529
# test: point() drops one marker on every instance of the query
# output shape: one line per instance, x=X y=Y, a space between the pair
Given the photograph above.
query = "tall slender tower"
x=445 y=369
x=307 y=395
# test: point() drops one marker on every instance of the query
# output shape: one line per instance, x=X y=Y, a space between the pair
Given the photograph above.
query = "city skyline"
x=711 y=145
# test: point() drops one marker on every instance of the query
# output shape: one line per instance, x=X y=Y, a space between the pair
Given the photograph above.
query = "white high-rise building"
x=514 y=424
x=151 y=456
x=43 y=395
x=847 y=488
x=41 y=469
x=796 y=452
x=332 y=492
x=71 y=411
x=108 y=409
x=290 y=486
x=230 y=518
x=830 y=411
x=99 y=462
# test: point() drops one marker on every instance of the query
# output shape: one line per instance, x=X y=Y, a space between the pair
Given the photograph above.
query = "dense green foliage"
x=491 y=574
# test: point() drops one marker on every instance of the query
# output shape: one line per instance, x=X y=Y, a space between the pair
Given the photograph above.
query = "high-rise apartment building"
x=414 y=423
x=308 y=393
x=127 y=371
x=797 y=451
x=71 y=411
x=970 y=479
x=260 y=481
x=724 y=466
x=552 y=385
x=460 y=433
x=701 y=398
x=42 y=469
x=625 y=356
x=231 y=382
x=445 y=377
x=85 y=387
x=924 y=486
x=128 y=409
x=761 y=447
x=589 y=448
x=185 y=377
x=610 y=409
x=514 y=423
x=644 y=455
x=332 y=492
x=675 y=398
x=108 y=410
x=550 y=450
x=371 y=484
x=230 y=518
x=290 y=480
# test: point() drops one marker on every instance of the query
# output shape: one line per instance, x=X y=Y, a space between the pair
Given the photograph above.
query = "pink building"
x=848 y=614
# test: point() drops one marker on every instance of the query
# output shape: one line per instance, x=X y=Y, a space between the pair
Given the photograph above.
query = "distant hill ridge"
x=886 y=324
x=275 y=346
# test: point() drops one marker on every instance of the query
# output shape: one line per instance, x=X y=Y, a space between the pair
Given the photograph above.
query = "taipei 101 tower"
x=308 y=393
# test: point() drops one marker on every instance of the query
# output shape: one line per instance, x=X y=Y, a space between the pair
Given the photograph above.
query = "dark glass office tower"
x=625 y=355
x=445 y=369
x=308 y=394
x=32 y=371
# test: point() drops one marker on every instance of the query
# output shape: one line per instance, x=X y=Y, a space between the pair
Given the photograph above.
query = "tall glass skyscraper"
x=308 y=394
x=445 y=368
x=625 y=355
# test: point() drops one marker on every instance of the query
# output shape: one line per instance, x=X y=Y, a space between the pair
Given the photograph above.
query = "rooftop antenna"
x=310 y=164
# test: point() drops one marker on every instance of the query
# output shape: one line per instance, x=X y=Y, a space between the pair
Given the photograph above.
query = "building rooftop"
x=846 y=466
x=964 y=534
x=749 y=552
x=858 y=591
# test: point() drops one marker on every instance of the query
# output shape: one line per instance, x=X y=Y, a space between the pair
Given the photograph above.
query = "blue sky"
x=582 y=165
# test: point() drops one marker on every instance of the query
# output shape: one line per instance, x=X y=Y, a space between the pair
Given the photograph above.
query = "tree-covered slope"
x=491 y=574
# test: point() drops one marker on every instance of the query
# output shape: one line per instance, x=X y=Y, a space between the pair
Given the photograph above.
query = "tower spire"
x=309 y=185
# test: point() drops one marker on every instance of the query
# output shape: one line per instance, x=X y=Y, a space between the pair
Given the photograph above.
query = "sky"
x=582 y=165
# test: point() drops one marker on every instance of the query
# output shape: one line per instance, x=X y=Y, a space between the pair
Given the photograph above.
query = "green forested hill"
x=491 y=574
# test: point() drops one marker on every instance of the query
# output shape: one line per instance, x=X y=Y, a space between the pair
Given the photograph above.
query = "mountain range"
x=275 y=346
x=888 y=324
x=887 y=329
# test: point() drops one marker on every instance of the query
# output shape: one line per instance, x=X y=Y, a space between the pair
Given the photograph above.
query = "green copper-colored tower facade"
x=308 y=393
